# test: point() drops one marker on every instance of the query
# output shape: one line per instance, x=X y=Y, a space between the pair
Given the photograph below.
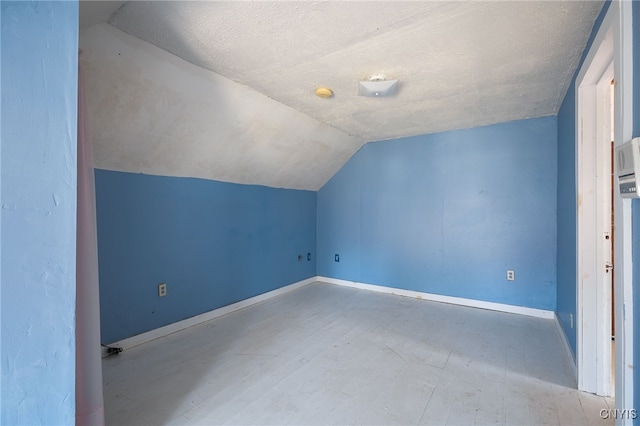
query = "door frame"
x=612 y=44
x=594 y=222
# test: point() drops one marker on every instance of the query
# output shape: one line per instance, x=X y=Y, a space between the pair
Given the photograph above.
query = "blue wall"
x=448 y=213
x=567 y=221
x=566 y=259
x=213 y=243
x=39 y=51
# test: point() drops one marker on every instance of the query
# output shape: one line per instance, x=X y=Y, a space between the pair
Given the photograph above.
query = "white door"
x=595 y=257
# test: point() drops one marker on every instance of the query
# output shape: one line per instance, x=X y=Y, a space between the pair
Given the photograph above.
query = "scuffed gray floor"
x=325 y=354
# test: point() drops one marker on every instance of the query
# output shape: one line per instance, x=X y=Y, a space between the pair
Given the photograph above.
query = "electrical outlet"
x=308 y=256
x=511 y=275
x=336 y=258
x=162 y=290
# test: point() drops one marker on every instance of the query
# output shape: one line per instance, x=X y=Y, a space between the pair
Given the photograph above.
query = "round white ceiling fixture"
x=377 y=86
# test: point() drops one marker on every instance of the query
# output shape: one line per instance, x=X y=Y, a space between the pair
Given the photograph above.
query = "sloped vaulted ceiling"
x=225 y=90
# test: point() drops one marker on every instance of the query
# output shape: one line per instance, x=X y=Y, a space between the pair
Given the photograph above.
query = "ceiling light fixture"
x=324 y=92
x=377 y=86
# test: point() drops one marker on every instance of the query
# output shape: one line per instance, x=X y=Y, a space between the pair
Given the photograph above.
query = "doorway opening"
x=609 y=54
x=609 y=267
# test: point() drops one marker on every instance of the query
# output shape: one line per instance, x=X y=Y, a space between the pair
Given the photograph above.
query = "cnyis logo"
x=616 y=413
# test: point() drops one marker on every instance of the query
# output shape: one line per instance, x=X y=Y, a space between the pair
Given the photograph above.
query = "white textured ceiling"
x=460 y=65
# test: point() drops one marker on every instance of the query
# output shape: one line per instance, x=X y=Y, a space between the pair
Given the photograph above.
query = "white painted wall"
x=153 y=113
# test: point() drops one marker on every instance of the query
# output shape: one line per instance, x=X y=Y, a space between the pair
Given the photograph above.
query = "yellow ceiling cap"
x=324 y=92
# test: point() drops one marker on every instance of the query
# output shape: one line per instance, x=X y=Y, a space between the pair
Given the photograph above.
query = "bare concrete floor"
x=325 y=354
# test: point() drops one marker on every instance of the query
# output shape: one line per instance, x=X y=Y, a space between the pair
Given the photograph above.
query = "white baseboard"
x=157 y=333
x=567 y=348
x=521 y=310
x=207 y=316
